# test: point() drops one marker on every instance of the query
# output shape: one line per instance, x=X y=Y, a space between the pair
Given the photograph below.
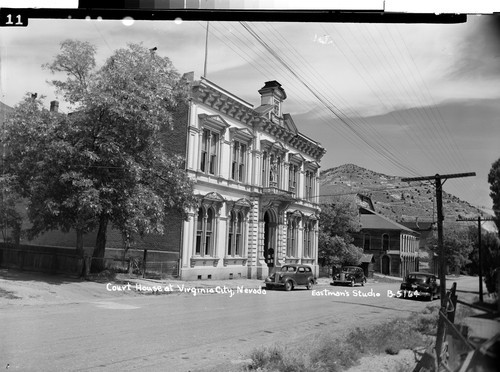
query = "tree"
x=105 y=162
x=457 y=245
x=43 y=149
x=494 y=181
x=490 y=249
x=337 y=221
x=10 y=220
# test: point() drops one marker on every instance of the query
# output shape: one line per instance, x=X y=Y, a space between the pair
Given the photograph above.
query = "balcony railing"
x=277 y=193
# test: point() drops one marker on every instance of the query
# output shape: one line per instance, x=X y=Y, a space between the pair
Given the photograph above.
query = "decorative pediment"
x=312 y=165
x=296 y=158
x=212 y=199
x=214 y=122
x=312 y=217
x=240 y=204
x=276 y=147
x=241 y=133
x=295 y=214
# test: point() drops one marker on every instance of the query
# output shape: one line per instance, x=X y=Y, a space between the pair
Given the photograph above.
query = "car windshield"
x=350 y=270
x=289 y=269
x=418 y=278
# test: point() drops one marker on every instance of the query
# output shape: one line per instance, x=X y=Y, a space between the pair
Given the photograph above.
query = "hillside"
x=392 y=198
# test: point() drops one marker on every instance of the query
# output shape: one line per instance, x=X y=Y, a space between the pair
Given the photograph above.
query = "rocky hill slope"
x=399 y=201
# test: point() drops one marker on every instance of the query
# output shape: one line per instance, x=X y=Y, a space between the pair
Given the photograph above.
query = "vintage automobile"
x=349 y=275
x=419 y=285
x=290 y=276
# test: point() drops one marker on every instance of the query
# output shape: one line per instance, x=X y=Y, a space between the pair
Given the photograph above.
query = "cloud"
x=479 y=52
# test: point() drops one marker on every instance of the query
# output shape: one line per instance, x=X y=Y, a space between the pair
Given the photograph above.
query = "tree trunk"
x=79 y=243
x=100 y=245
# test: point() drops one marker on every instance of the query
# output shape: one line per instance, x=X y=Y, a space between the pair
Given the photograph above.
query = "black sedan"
x=350 y=275
x=419 y=285
x=290 y=276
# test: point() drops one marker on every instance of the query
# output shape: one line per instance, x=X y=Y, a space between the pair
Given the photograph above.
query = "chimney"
x=188 y=76
x=54 y=106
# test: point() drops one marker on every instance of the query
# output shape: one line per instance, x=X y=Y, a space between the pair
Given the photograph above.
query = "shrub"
x=276 y=358
x=426 y=322
x=388 y=337
x=333 y=355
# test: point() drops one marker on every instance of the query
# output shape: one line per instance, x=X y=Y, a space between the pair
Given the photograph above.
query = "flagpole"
x=206 y=52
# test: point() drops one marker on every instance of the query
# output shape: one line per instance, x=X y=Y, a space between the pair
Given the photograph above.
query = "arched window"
x=308 y=234
x=291 y=236
x=235 y=234
x=239 y=236
x=204 y=232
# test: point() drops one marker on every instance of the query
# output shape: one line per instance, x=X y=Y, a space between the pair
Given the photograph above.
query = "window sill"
x=204 y=261
x=308 y=261
x=235 y=261
x=292 y=260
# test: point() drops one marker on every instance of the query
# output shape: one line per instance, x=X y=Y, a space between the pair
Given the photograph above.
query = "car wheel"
x=288 y=285
x=363 y=282
x=352 y=283
x=310 y=284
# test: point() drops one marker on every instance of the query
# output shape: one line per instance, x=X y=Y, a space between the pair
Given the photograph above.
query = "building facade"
x=394 y=247
x=256 y=180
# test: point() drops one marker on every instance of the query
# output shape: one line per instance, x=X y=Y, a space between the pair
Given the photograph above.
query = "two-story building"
x=256 y=179
x=394 y=248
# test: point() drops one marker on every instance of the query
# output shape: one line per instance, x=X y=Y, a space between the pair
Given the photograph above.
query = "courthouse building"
x=256 y=180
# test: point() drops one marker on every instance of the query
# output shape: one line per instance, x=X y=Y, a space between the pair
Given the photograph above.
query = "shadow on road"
x=32 y=276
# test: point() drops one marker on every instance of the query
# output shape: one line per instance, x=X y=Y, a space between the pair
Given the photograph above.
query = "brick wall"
x=176 y=139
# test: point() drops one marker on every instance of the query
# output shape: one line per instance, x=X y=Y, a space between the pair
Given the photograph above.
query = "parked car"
x=419 y=285
x=350 y=275
x=290 y=276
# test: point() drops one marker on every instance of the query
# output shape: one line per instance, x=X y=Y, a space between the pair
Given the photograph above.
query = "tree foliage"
x=104 y=162
x=490 y=249
x=457 y=245
x=10 y=219
x=494 y=181
x=337 y=221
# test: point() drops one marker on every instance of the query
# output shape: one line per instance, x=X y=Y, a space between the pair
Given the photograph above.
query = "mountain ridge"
x=397 y=200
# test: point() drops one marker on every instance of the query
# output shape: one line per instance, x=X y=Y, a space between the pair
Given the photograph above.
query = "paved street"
x=183 y=331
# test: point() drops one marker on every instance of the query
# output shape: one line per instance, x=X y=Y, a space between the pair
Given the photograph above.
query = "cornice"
x=245 y=114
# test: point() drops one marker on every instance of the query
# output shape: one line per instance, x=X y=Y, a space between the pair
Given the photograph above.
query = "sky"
x=404 y=100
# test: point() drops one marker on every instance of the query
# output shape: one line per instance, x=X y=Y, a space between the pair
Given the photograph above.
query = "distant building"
x=427 y=259
x=394 y=248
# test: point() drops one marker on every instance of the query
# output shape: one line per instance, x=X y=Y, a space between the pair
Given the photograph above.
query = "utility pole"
x=206 y=52
x=439 y=181
x=478 y=219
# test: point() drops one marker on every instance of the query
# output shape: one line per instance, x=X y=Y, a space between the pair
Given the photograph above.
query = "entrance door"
x=386 y=265
x=269 y=234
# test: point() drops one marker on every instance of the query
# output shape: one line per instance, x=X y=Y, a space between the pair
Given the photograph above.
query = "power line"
x=331 y=107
